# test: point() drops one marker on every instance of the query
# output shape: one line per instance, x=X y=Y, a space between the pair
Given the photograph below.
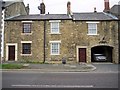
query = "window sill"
x=92 y=34
x=55 y=33
x=26 y=54
x=55 y=54
x=26 y=33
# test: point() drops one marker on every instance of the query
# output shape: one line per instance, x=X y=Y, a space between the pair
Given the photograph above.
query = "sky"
x=60 y=6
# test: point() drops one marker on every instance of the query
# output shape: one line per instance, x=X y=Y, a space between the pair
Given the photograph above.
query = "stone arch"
x=105 y=50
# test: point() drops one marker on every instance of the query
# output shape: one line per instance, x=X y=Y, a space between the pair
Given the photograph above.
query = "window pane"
x=54 y=27
x=26 y=48
x=55 y=48
x=92 y=29
x=26 y=28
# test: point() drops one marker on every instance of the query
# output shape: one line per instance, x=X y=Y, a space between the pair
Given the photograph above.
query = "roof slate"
x=94 y=16
x=42 y=17
x=76 y=16
x=115 y=10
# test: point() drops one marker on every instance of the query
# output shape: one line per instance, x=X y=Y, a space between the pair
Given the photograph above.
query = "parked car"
x=99 y=57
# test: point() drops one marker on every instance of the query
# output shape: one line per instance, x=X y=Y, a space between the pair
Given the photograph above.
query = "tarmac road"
x=36 y=79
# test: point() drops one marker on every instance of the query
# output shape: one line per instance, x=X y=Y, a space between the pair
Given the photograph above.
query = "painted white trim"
x=26 y=21
x=26 y=54
x=58 y=47
x=95 y=27
x=51 y=27
x=26 y=33
x=77 y=49
x=7 y=50
x=26 y=41
x=59 y=41
x=2 y=43
x=93 y=34
x=31 y=48
x=55 y=33
x=55 y=21
x=92 y=22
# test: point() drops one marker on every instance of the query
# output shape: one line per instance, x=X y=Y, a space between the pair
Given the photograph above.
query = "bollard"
x=63 y=61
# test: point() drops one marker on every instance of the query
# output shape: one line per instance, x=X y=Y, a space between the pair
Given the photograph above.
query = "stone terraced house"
x=75 y=37
x=115 y=10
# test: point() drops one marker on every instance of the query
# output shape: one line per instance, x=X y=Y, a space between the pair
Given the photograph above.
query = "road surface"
x=37 y=79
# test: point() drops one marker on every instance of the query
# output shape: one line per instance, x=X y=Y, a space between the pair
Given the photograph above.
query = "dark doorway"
x=11 y=53
x=82 y=54
x=102 y=50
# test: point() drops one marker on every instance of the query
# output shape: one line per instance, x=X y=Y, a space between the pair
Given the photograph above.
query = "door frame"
x=77 y=49
x=7 y=50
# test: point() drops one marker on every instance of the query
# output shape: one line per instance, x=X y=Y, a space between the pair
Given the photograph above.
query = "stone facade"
x=115 y=10
x=73 y=36
x=15 y=9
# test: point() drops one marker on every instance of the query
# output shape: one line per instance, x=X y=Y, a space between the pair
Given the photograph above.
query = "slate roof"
x=76 y=16
x=115 y=10
x=94 y=16
x=42 y=17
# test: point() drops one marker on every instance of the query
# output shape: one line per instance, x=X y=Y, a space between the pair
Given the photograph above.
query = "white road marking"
x=37 y=71
x=56 y=86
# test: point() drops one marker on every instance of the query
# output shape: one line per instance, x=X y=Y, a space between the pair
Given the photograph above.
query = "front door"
x=82 y=54
x=11 y=54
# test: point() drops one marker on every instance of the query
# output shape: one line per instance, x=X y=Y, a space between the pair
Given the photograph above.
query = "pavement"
x=106 y=67
x=63 y=67
x=82 y=67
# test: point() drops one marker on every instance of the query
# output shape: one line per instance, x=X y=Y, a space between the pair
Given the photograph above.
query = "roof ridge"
x=85 y=12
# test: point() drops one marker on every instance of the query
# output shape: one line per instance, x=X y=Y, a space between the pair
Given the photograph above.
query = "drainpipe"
x=44 y=38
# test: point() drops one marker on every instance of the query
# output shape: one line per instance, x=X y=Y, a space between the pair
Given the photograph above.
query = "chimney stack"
x=42 y=8
x=27 y=9
x=69 y=12
x=106 y=5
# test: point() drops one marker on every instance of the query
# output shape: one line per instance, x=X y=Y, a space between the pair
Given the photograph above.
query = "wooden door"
x=11 y=54
x=82 y=54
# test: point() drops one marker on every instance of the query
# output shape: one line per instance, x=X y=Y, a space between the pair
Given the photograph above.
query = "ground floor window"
x=26 y=48
x=55 y=48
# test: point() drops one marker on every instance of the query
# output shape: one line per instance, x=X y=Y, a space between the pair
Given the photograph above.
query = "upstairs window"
x=92 y=28
x=26 y=27
x=54 y=26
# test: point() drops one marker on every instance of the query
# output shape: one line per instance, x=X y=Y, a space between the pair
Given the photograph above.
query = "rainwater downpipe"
x=44 y=38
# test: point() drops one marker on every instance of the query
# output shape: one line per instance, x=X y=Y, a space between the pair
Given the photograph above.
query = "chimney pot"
x=69 y=8
x=95 y=9
x=42 y=8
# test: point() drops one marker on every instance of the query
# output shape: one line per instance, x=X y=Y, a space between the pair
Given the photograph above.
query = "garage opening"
x=101 y=54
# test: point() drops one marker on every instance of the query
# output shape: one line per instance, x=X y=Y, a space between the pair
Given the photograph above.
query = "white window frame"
x=22 y=47
x=51 y=26
x=96 y=24
x=26 y=22
x=54 y=42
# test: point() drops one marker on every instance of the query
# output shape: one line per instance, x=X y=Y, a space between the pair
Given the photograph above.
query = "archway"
x=104 y=51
